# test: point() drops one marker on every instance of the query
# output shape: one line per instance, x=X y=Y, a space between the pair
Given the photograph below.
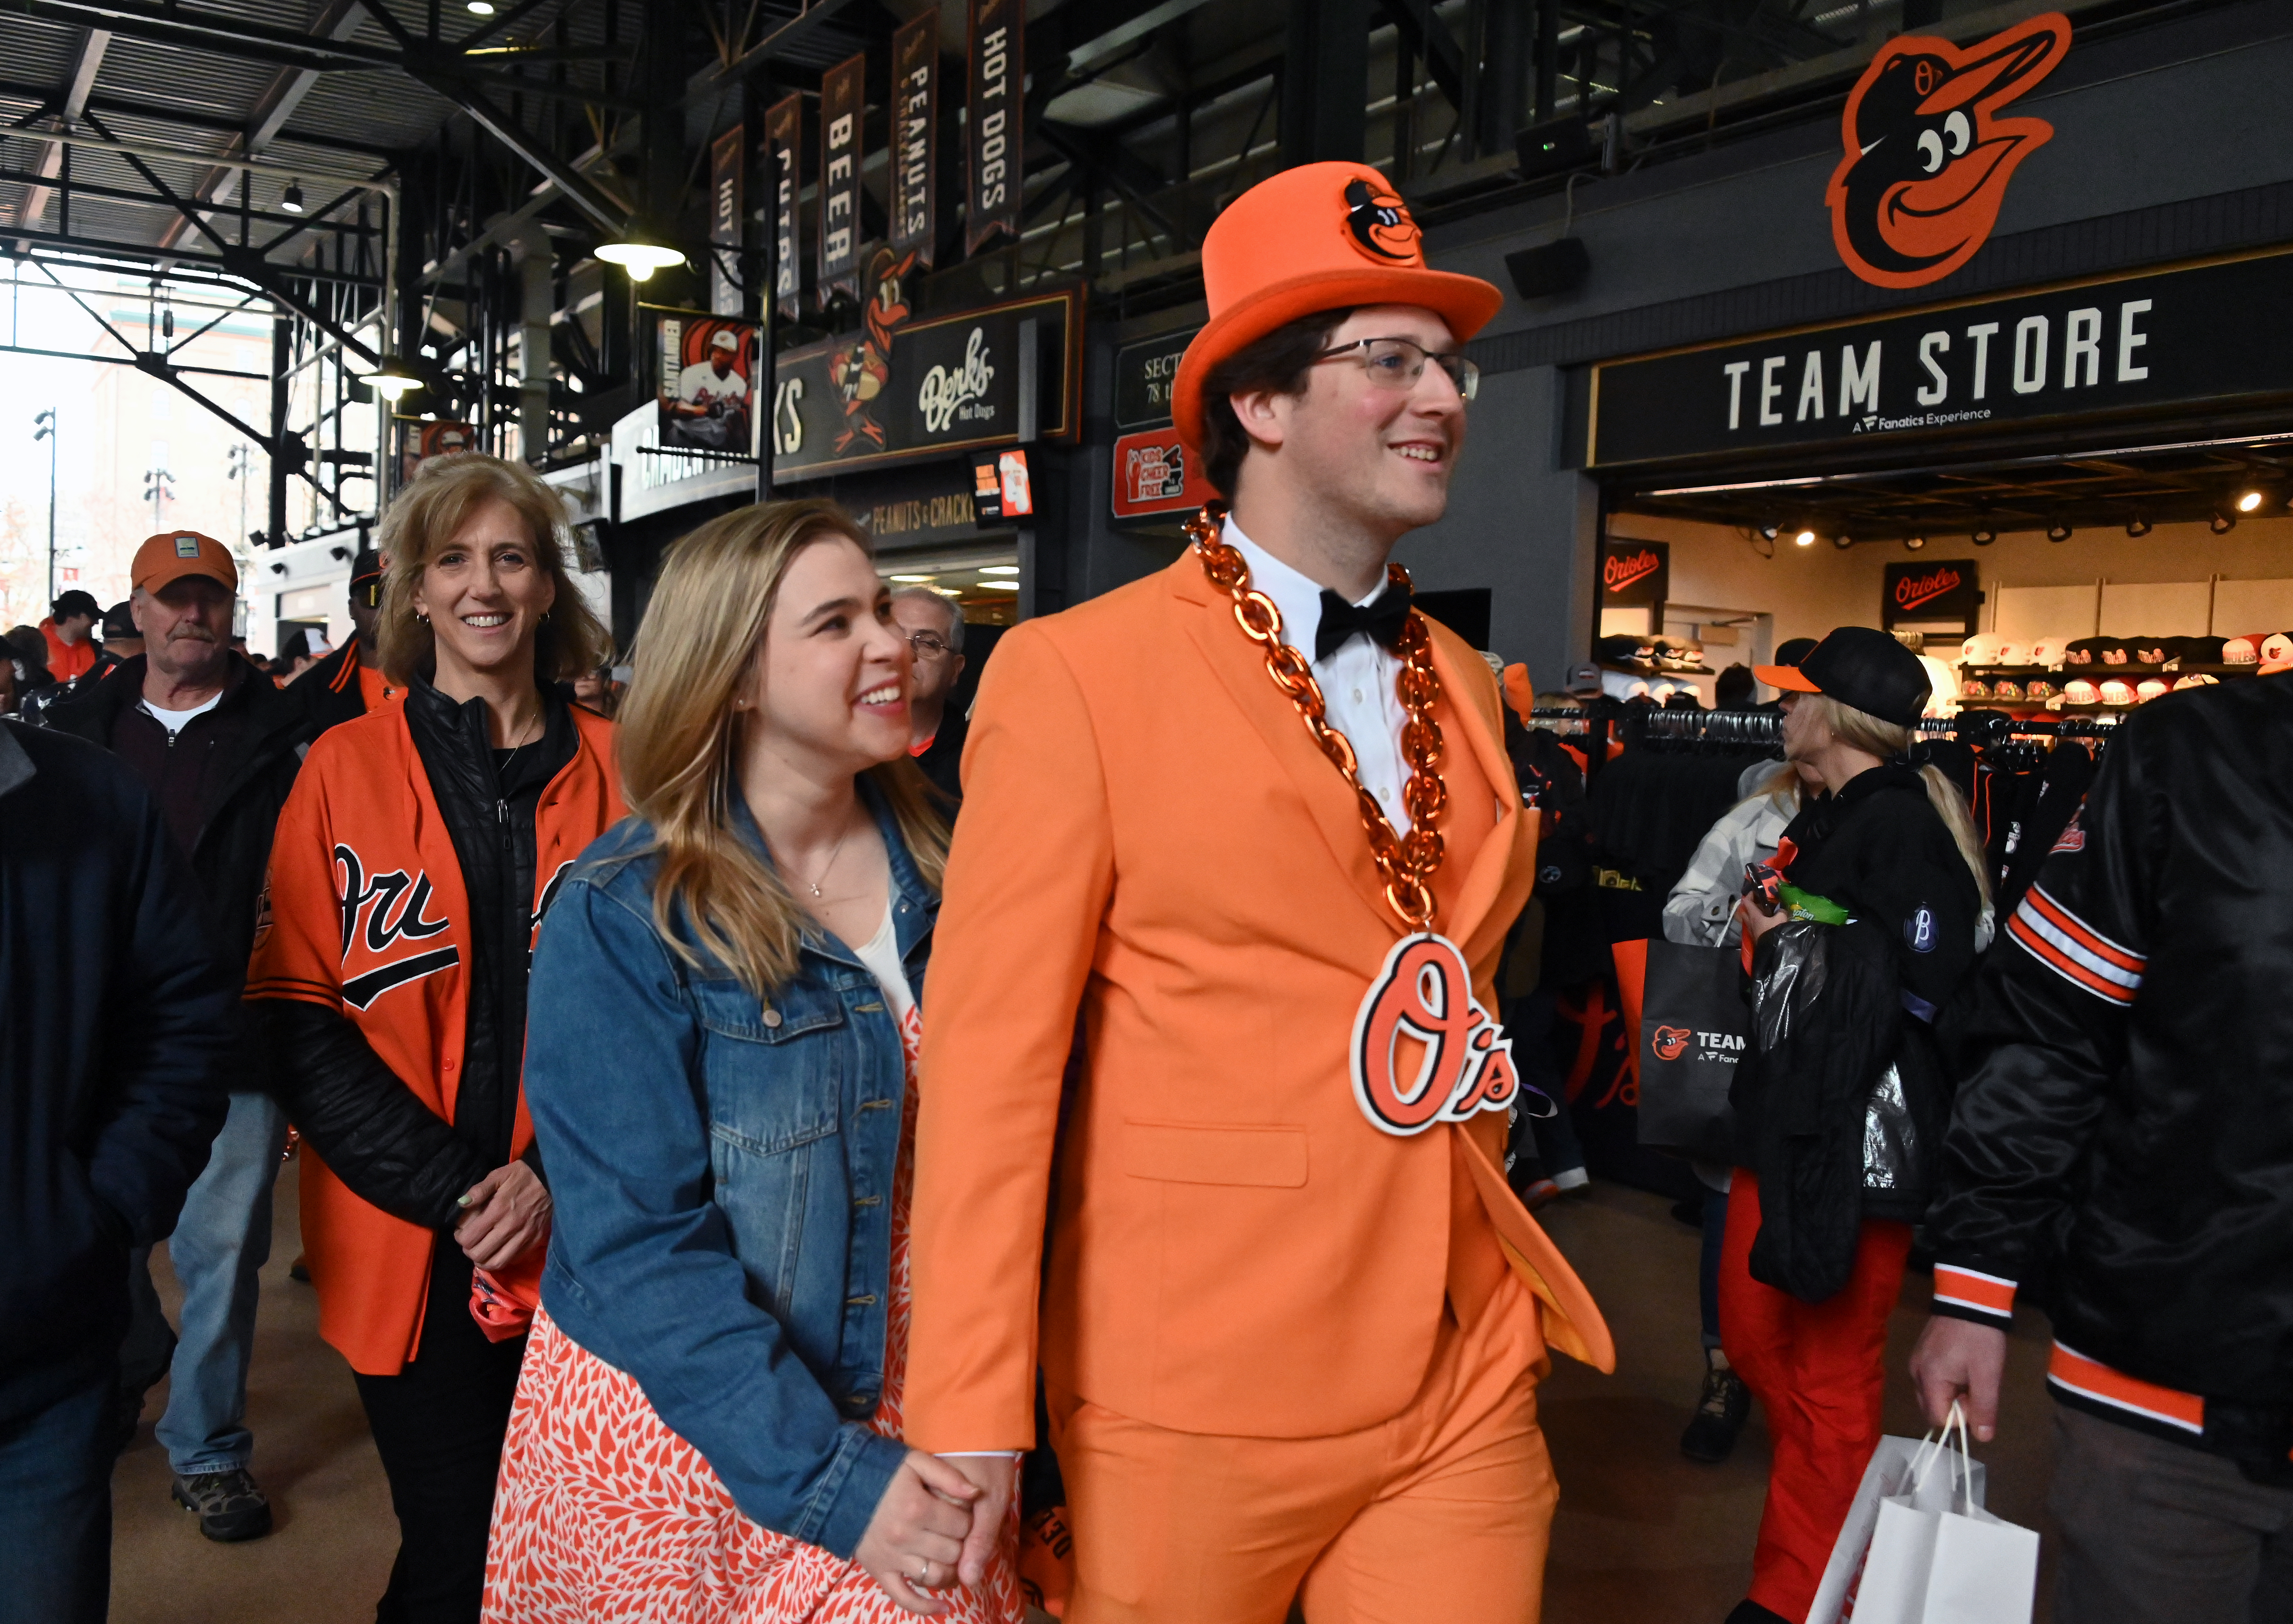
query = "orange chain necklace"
x=1407 y=862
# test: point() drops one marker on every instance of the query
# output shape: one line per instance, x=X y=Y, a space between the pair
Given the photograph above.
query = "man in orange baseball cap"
x=215 y=743
x=1294 y=1319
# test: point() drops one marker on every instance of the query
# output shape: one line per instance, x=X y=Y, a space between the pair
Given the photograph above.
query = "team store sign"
x=2221 y=332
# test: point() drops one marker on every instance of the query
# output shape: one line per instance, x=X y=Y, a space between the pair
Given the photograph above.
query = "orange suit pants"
x=1442 y=1513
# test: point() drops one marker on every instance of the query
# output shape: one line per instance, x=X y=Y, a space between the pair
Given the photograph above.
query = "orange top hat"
x=173 y=554
x=1319 y=236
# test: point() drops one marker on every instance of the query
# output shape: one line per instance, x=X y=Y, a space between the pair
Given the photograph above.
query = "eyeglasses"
x=1397 y=363
x=927 y=645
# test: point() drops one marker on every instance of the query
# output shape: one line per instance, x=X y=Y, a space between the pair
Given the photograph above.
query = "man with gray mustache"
x=216 y=742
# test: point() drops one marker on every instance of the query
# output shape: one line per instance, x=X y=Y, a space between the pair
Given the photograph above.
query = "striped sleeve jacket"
x=2121 y=1147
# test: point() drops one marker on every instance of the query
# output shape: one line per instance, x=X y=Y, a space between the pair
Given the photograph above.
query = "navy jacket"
x=723 y=1173
x=116 y=1035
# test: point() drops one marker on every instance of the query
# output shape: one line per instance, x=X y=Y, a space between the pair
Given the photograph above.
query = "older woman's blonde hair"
x=679 y=741
x=441 y=499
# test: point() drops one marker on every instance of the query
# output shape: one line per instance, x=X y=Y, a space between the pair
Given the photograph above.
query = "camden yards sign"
x=899 y=389
x=2218 y=335
x=1943 y=590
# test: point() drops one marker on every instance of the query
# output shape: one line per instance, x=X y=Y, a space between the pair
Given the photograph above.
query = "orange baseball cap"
x=1317 y=238
x=173 y=554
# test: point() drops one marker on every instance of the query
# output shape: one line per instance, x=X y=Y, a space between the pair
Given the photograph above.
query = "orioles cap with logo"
x=1863 y=669
x=1317 y=238
x=173 y=554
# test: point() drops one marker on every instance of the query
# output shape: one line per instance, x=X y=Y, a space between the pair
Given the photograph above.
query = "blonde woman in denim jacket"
x=721 y=1071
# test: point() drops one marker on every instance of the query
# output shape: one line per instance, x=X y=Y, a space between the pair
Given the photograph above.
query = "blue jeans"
x=218 y=1249
x=55 y=1510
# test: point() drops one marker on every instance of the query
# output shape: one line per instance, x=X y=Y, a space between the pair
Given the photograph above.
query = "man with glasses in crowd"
x=933 y=624
x=1157 y=831
x=349 y=683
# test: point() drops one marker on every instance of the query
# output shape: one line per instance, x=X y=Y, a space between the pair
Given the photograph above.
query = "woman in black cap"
x=1875 y=908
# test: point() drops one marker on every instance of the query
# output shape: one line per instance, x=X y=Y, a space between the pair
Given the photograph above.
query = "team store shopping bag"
x=1918 y=1549
x=1694 y=1029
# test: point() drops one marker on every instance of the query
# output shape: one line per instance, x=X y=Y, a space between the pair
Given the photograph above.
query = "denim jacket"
x=723 y=1172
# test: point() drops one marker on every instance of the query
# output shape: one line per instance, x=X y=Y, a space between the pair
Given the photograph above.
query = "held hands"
x=997 y=1479
x=1955 y=1357
x=919 y=1532
x=505 y=1215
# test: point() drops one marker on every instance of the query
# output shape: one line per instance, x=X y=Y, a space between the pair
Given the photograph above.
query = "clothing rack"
x=1753 y=730
x=1988 y=727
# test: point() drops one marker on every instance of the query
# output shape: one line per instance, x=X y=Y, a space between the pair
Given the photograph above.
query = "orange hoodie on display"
x=365 y=913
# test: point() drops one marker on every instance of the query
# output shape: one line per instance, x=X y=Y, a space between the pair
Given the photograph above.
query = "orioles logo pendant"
x=1458 y=1060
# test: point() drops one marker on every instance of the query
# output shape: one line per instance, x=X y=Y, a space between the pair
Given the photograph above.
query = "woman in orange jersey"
x=420 y=848
x=722 y=1072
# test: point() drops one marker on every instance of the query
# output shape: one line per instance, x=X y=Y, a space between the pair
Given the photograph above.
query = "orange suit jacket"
x=1150 y=837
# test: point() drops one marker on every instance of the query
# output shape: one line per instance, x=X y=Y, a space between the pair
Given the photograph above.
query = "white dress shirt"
x=1356 y=680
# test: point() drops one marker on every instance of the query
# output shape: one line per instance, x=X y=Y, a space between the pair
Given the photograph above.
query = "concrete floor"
x=1642 y=1534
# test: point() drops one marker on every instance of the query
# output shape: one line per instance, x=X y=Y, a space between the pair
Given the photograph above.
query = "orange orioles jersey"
x=364 y=913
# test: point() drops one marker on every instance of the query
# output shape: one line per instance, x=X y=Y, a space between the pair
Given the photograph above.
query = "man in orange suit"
x=1253 y=818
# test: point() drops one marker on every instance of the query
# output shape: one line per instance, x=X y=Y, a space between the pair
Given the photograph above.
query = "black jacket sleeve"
x=166 y=1063
x=2045 y=1034
x=386 y=1144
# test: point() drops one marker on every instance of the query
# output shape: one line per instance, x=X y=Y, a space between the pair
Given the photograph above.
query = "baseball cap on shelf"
x=1980 y=650
x=2239 y=652
x=2118 y=691
x=2014 y=654
x=1319 y=236
x=170 y=555
x=2150 y=688
x=2077 y=690
x=2276 y=648
x=1582 y=679
x=1862 y=669
x=2050 y=652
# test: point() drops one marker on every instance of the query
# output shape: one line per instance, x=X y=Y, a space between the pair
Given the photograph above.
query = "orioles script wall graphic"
x=1928 y=154
x=1634 y=574
x=1944 y=589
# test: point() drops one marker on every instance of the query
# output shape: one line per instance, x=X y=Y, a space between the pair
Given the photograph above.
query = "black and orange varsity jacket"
x=2121 y=1148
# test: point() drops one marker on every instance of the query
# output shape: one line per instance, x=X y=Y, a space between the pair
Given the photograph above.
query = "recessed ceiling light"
x=917 y=580
x=2249 y=501
x=1805 y=538
x=998 y=568
x=1843 y=542
x=2058 y=532
x=482 y=8
x=1983 y=537
x=2222 y=524
x=1915 y=542
x=2137 y=526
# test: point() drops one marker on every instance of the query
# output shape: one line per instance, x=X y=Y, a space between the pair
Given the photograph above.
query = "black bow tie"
x=1383 y=617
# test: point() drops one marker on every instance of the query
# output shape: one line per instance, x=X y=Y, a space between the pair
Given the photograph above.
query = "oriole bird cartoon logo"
x=1928 y=157
x=1380 y=223
x=1671 y=1042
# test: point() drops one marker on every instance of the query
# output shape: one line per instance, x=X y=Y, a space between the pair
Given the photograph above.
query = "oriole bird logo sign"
x=1928 y=157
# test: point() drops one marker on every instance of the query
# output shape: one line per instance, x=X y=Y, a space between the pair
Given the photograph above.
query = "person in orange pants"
x=1818 y=1369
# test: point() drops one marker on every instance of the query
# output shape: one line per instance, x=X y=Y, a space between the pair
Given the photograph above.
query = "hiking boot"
x=1720 y=1415
x=228 y=1505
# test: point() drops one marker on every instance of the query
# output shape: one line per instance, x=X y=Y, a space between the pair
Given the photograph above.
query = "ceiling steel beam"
x=272 y=109
x=75 y=106
x=192 y=30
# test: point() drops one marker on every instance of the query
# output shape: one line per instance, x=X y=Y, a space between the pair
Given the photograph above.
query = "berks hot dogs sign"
x=2215 y=333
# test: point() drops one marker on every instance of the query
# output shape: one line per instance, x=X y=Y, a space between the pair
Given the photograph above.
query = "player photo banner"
x=994 y=117
x=707 y=364
x=915 y=136
x=419 y=441
x=784 y=148
x=843 y=102
x=726 y=165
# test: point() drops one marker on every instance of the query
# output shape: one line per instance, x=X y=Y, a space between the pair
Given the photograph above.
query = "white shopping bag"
x=1896 y=1468
x=1952 y=1563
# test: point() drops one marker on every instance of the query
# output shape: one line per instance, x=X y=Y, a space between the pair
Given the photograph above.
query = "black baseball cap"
x=1862 y=669
x=120 y=621
x=1793 y=650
